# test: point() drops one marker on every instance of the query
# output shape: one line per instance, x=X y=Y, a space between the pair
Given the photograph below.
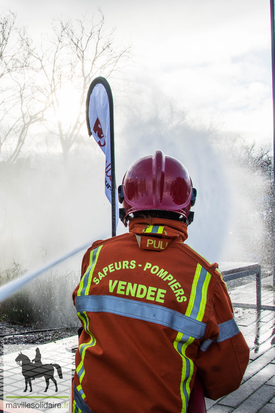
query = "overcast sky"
x=212 y=57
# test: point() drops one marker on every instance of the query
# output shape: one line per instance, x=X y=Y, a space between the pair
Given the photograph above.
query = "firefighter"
x=154 y=312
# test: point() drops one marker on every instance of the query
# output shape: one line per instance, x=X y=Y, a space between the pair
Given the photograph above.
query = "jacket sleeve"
x=221 y=365
x=85 y=262
x=86 y=258
x=84 y=266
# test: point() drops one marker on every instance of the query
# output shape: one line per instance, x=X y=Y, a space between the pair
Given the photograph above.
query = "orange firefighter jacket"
x=154 y=314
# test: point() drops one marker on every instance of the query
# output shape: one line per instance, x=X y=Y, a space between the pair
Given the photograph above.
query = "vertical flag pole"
x=100 y=123
x=113 y=176
x=273 y=101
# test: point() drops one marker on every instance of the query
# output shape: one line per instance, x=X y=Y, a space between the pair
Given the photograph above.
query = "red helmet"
x=157 y=182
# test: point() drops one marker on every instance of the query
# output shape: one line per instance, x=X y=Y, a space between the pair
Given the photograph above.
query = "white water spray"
x=13 y=286
x=44 y=214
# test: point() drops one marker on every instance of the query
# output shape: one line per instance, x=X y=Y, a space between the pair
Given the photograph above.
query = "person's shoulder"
x=212 y=268
x=112 y=240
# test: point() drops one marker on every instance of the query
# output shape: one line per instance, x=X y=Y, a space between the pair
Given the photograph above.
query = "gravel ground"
x=11 y=334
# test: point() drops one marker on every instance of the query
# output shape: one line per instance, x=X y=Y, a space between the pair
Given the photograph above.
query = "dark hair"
x=159 y=214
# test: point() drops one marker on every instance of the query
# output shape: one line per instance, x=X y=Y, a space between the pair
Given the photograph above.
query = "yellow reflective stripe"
x=156 y=229
x=198 y=297
x=148 y=229
x=83 y=316
x=80 y=369
x=191 y=366
x=80 y=390
x=193 y=291
x=204 y=297
x=75 y=409
x=180 y=344
x=85 y=283
x=195 y=309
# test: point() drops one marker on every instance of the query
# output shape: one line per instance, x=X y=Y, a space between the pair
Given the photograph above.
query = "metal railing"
x=245 y=270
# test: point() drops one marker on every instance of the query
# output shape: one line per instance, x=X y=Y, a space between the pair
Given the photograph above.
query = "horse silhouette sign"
x=38 y=378
x=35 y=369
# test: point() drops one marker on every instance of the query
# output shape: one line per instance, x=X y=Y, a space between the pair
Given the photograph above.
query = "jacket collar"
x=157 y=233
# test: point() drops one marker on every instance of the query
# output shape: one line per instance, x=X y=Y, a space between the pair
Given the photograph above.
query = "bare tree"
x=258 y=159
x=19 y=106
x=79 y=52
x=18 y=115
x=10 y=45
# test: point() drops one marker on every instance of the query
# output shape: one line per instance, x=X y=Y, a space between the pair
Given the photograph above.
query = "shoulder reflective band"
x=206 y=344
x=80 y=404
x=142 y=311
x=228 y=329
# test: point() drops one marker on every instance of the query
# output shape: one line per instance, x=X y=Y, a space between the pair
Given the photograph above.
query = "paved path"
x=257 y=392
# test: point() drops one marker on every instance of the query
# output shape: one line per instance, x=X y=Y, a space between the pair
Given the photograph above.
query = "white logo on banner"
x=99 y=118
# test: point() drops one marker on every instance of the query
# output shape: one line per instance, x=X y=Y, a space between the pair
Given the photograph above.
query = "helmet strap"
x=191 y=217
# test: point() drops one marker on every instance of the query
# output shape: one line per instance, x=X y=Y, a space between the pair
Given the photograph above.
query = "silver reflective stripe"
x=228 y=329
x=142 y=311
x=205 y=344
x=80 y=404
